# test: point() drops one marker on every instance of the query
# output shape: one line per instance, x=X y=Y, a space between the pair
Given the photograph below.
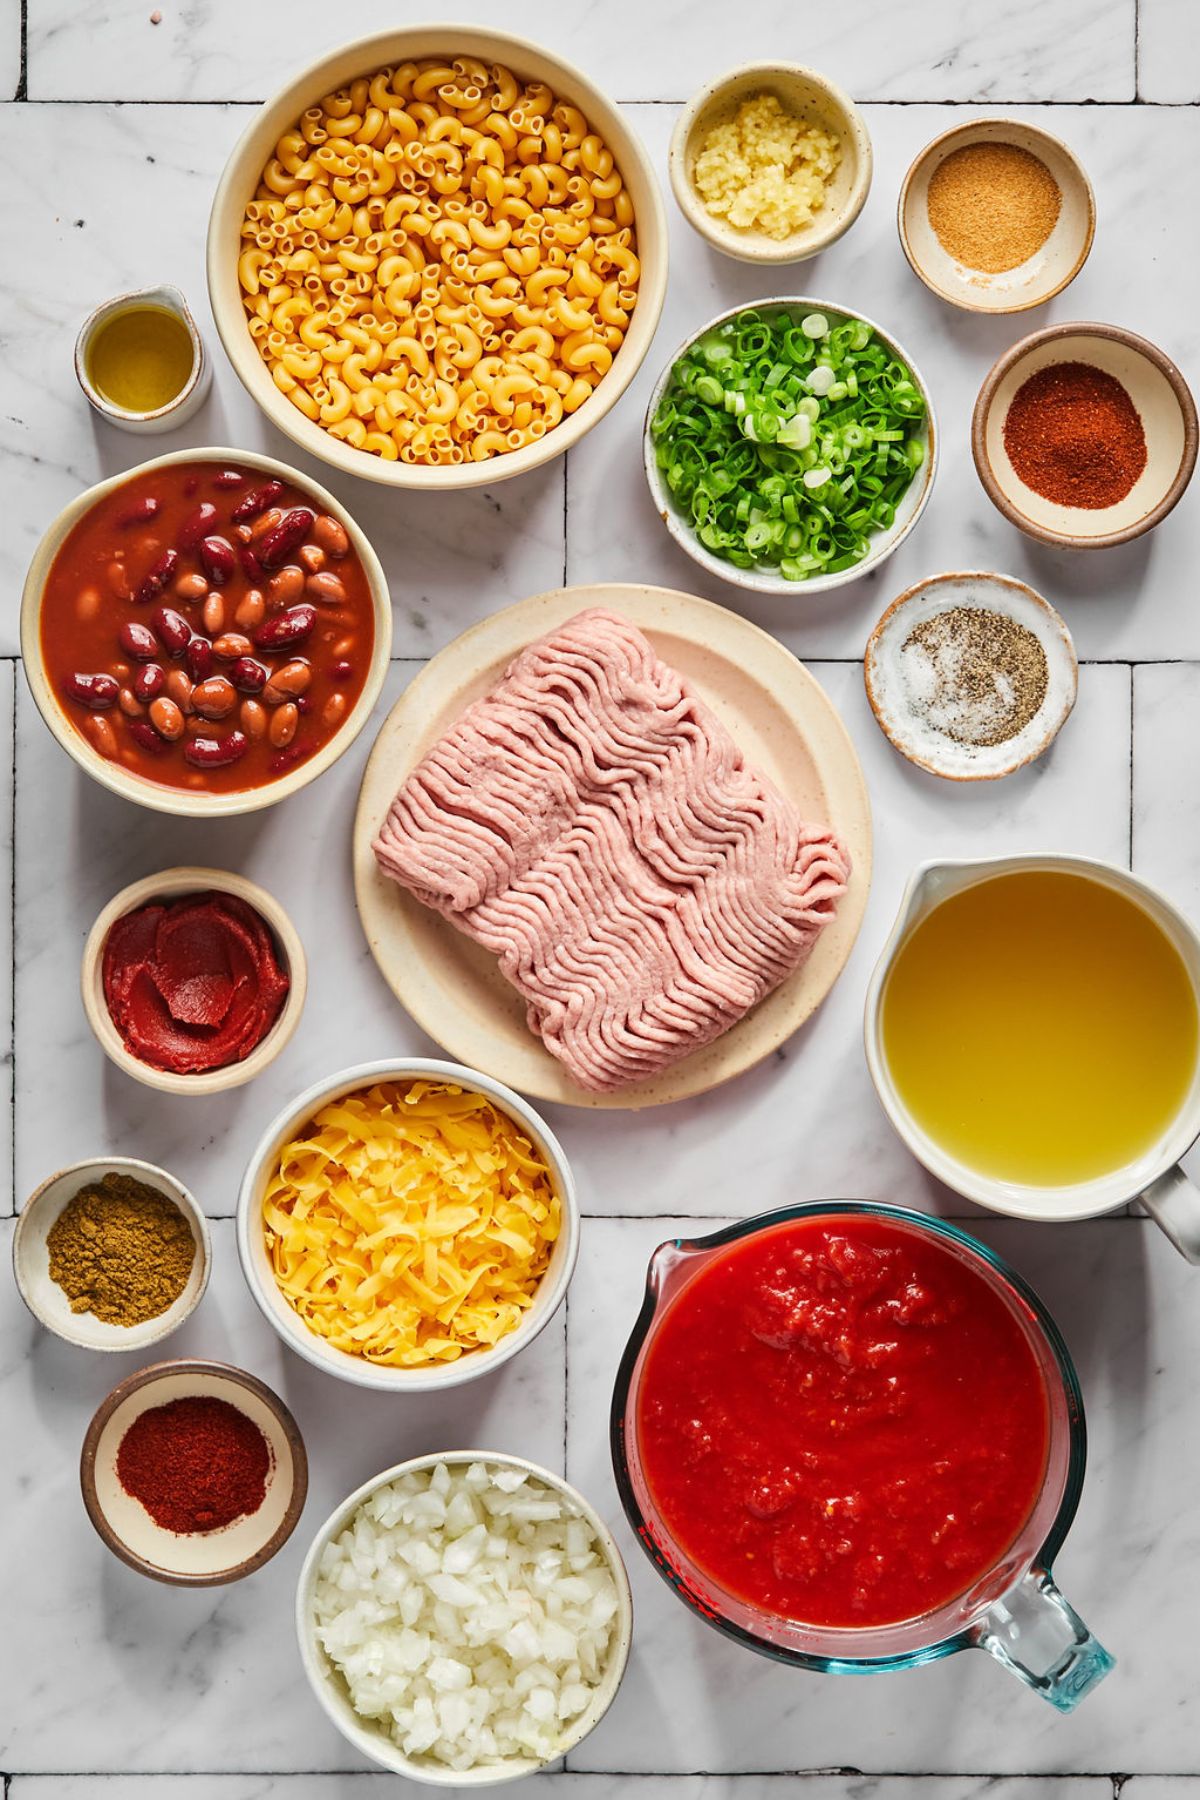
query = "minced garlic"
x=766 y=169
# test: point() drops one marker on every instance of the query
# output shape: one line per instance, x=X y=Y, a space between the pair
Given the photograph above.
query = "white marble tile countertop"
x=115 y=121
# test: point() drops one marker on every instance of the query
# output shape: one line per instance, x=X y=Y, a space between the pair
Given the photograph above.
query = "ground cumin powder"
x=121 y=1250
x=992 y=206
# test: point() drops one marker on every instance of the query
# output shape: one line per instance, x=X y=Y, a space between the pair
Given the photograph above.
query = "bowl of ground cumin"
x=111 y=1254
x=996 y=215
x=1084 y=436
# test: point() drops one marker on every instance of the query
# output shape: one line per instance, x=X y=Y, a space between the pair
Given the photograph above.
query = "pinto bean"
x=129 y=704
x=332 y=536
x=191 y=586
x=287 y=683
x=253 y=719
x=213 y=698
x=286 y=585
x=101 y=734
x=311 y=557
x=179 y=689
x=326 y=588
x=230 y=645
x=250 y=610
x=282 y=728
x=166 y=718
x=333 y=711
x=212 y=614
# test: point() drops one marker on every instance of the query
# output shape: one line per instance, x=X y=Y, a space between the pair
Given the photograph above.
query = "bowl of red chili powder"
x=194 y=1473
x=1084 y=436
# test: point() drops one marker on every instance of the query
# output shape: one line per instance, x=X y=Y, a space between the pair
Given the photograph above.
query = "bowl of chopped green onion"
x=790 y=444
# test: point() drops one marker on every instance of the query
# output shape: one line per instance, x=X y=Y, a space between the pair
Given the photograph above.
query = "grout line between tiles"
x=22 y=92
x=1137 y=52
x=12 y=950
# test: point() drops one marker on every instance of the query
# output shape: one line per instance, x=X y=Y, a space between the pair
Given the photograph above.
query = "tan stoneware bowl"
x=282 y=1316
x=194 y=802
x=896 y=701
x=172 y=884
x=47 y=1301
x=1044 y=274
x=812 y=97
x=1164 y=404
x=364 y=56
x=365 y=1734
x=193 y=1559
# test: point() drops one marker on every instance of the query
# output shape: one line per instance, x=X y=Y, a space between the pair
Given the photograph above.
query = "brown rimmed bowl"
x=200 y=1559
x=1164 y=403
x=156 y=795
x=1047 y=272
x=173 y=884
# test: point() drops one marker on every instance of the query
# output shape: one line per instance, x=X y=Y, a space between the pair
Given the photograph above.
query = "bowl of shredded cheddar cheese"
x=408 y=1226
x=771 y=163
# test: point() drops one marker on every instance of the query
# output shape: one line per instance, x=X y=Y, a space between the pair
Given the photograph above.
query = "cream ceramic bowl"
x=767 y=580
x=172 y=884
x=364 y=1734
x=363 y=57
x=1163 y=401
x=271 y=1302
x=193 y=802
x=47 y=1301
x=191 y=395
x=199 y=1559
x=812 y=97
x=1048 y=271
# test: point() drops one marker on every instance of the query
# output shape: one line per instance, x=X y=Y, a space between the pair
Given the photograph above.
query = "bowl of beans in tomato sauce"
x=206 y=634
x=851 y=1438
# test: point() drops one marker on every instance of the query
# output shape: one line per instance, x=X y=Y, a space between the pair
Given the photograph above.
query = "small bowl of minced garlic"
x=771 y=163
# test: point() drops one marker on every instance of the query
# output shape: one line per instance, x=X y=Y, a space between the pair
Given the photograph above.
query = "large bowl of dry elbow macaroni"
x=437 y=257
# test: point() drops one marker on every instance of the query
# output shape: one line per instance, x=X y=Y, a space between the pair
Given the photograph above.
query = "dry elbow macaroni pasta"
x=440 y=262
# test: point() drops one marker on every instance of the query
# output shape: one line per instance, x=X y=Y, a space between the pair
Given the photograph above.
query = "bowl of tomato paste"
x=851 y=1438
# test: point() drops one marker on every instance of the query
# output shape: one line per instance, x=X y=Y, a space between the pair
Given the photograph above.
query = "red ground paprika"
x=1073 y=435
x=195 y=1464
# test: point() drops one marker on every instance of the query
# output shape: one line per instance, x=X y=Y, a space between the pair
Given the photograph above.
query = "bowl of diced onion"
x=790 y=446
x=464 y=1619
x=408 y=1226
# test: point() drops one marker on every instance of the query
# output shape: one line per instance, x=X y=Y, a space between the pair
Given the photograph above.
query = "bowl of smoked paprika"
x=194 y=1473
x=193 y=980
x=1084 y=436
x=851 y=1438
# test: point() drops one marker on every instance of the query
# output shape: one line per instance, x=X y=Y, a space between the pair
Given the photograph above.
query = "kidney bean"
x=149 y=681
x=101 y=734
x=286 y=628
x=197 y=525
x=276 y=545
x=253 y=719
x=282 y=728
x=326 y=588
x=167 y=718
x=250 y=610
x=230 y=645
x=129 y=703
x=342 y=670
x=286 y=585
x=304 y=705
x=333 y=711
x=251 y=567
x=213 y=698
x=140 y=513
x=145 y=736
x=87 y=604
x=312 y=557
x=154 y=583
x=216 y=554
x=332 y=537
x=213 y=615
x=179 y=689
x=117 y=578
x=138 y=641
x=216 y=753
x=228 y=478
x=198 y=658
x=190 y=486
x=248 y=676
x=257 y=501
x=288 y=683
x=97 y=692
x=268 y=522
x=173 y=629
x=286 y=759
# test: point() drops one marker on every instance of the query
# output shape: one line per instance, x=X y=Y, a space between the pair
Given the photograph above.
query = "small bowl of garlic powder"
x=771 y=163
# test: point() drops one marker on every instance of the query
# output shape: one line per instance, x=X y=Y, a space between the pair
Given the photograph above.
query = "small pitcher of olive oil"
x=141 y=361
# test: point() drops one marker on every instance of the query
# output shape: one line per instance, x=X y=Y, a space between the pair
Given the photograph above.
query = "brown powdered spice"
x=992 y=206
x=978 y=676
x=1074 y=436
x=121 y=1250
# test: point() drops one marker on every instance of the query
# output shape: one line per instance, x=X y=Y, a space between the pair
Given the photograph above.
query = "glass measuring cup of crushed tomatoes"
x=851 y=1438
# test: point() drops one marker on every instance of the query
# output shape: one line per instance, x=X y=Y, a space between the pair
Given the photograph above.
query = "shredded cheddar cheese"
x=410 y=1223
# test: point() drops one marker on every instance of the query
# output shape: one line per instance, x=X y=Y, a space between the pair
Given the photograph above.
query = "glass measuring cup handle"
x=1041 y=1639
x=1173 y=1202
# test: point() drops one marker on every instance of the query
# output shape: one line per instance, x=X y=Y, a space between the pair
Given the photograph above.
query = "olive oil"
x=1041 y=1028
x=141 y=359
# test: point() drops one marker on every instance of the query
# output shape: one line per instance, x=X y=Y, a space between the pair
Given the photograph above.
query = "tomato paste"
x=841 y=1422
x=193 y=984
